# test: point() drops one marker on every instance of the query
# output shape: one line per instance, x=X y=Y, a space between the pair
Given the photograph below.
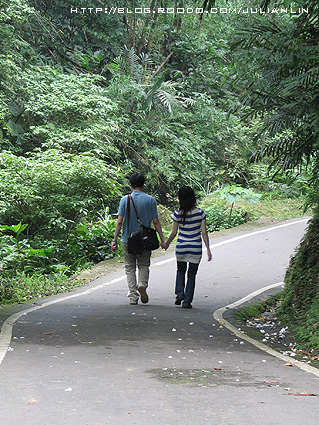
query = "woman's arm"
x=205 y=238
x=172 y=235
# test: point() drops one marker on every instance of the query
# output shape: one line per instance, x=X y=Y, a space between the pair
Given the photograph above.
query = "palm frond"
x=163 y=97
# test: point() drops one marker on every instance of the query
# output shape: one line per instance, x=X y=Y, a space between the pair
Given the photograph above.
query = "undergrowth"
x=25 y=287
x=256 y=309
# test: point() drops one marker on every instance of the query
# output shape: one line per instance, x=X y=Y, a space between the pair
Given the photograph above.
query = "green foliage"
x=21 y=287
x=13 y=14
x=92 y=239
x=279 y=83
x=304 y=269
x=17 y=254
x=233 y=194
x=54 y=110
x=301 y=300
x=218 y=214
x=52 y=190
x=218 y=218
x=255 y=310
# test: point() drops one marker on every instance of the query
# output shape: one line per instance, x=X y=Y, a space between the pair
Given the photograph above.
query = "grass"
x=23 y=287
x=280 y=209
x=256 y=309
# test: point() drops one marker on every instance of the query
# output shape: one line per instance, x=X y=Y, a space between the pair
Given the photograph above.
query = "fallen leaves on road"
x=304 y=394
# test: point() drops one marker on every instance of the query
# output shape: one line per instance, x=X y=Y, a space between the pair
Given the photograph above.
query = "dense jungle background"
x=225 y=102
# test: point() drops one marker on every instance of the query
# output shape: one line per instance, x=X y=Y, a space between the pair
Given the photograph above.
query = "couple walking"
x=190 y=224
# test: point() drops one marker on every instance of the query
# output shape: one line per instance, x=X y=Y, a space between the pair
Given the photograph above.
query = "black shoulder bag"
x=144 y=239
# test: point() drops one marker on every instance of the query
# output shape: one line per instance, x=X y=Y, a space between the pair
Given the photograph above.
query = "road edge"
x=218 y=316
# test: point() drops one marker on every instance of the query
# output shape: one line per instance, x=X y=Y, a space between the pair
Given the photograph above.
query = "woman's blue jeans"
x=186 y=294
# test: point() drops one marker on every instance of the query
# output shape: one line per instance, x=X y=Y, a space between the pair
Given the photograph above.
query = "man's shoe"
x=178 y=301
x=143 y=293
x=187 y=305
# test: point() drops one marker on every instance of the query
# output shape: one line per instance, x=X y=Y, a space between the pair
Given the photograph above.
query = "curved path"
x=89 y=358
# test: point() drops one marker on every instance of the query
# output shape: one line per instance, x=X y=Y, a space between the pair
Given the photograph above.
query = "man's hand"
x=114 y=246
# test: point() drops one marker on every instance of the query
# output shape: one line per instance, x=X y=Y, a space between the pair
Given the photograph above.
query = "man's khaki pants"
x=142 y=262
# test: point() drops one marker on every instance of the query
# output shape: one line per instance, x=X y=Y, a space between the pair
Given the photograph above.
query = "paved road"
x=92 y=359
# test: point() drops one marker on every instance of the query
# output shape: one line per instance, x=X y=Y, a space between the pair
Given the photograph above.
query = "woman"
x=191 y=223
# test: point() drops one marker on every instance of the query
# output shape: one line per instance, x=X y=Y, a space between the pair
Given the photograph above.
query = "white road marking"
x=6 y=329
x=218 y=315
x=237 y=238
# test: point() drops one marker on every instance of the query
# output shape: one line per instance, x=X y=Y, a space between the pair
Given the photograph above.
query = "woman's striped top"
x=189 y=240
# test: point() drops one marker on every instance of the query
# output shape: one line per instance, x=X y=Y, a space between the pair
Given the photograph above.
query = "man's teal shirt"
x=146 y=208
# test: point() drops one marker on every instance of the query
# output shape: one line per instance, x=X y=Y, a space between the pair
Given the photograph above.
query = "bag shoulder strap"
x=138 y=218
x=130 y=198
x=128 y=213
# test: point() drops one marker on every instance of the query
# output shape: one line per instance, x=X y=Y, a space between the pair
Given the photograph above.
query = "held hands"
x=164 y=245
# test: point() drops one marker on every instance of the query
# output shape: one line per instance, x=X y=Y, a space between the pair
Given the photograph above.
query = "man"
x=147 y=211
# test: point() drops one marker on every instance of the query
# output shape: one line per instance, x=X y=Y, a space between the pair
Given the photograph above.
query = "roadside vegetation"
x=267 y=322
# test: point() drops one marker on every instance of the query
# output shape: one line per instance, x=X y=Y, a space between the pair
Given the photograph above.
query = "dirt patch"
x=211 y=378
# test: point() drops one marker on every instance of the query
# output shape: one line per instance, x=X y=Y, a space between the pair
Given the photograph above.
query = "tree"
x=281 y=86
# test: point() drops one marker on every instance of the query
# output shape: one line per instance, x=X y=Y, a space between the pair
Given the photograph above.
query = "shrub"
x=52 y=190
x=217 y=218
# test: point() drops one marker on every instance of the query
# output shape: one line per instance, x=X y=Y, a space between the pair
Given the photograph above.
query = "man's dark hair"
x=137 y=180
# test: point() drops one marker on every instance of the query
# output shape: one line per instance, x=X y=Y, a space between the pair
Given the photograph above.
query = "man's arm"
x=118 y=227
x=158 y=227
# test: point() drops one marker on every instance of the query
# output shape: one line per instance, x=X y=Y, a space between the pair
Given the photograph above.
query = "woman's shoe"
x=178 y=301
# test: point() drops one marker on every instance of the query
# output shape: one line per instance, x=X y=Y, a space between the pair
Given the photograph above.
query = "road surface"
x=90 y=358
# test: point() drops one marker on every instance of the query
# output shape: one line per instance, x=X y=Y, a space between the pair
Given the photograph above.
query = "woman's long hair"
x=187 y=201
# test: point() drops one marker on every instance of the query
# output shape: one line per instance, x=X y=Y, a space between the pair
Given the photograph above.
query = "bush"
x=52 y=190
x=92 y=239
x=217 y=218
x=23 y=287
x=301 y=300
